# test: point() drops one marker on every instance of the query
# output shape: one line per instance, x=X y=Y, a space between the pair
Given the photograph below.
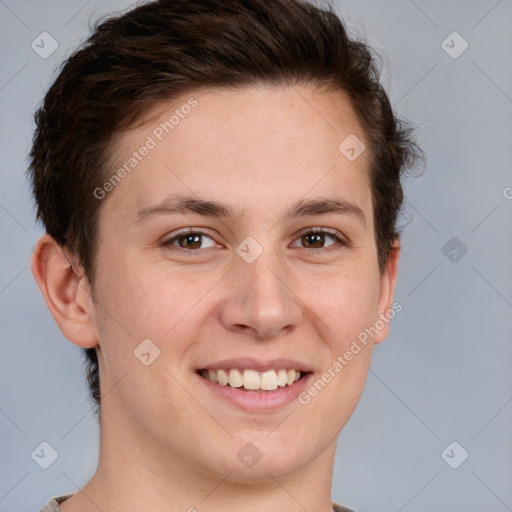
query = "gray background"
x=443 y=374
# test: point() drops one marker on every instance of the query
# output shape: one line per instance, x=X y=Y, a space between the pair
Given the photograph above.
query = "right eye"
x=188 y=240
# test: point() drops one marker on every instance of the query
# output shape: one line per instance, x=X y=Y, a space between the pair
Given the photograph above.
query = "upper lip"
x=258 y=365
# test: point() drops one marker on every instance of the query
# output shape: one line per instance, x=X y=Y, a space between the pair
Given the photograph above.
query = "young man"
x=219 y=182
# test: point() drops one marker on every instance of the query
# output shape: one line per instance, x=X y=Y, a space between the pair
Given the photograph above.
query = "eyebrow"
x=209 y=208
x=189 y=204
x=324 y=206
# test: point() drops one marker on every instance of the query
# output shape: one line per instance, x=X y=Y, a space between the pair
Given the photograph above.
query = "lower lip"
x=258 y=401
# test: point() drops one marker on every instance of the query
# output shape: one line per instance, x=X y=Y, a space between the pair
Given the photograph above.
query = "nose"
x=261 y=301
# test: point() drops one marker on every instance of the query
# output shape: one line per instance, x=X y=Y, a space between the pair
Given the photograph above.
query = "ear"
x=66 y=294
x=386 y=310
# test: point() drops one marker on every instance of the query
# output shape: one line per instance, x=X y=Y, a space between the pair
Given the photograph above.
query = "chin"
x=262 y=457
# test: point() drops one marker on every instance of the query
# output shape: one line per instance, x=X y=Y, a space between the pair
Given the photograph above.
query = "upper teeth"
x=252 y=379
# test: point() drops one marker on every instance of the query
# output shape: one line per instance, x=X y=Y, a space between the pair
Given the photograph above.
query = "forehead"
x=245 y=144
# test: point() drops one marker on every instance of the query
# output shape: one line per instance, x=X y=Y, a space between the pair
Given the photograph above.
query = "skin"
x=166 y=444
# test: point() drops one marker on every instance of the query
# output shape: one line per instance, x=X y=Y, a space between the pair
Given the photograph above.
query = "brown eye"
x=319 y=239
x=314 y=240
x=190 y=240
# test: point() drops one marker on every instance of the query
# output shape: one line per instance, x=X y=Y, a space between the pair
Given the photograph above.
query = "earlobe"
x=387 y=290
x=66 y=294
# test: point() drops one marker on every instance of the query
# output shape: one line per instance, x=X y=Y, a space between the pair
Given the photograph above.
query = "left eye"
x=316 y=239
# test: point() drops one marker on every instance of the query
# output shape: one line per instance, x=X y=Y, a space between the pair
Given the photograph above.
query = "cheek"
x=347 y=303
x=142 y=301
x=137 y=300
x=138 y=313
x=346 y=309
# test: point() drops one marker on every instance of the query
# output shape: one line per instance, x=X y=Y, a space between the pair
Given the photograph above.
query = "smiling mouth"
x=253 y=380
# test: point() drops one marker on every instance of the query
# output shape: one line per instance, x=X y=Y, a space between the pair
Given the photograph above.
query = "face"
x=240 y=246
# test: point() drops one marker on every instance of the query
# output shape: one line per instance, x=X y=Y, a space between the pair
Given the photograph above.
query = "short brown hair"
x=170 y=47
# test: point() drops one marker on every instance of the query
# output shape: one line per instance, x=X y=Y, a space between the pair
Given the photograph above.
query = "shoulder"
x=54 y=504
x=338 y=508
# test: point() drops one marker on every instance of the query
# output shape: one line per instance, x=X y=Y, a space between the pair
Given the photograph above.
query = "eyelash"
x=340 y=242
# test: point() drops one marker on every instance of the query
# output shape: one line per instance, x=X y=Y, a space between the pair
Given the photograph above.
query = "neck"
x=134 y=475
